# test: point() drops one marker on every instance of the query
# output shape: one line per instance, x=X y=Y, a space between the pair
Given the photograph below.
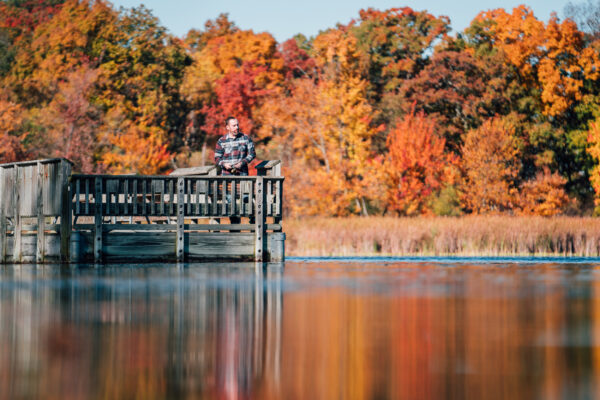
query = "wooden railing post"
x=98 y=221
x=180 y=214
x=279 y=204
x=16 y=216
x=41 y=221
x=259 y=220
x=66 y=211
x=269 y=168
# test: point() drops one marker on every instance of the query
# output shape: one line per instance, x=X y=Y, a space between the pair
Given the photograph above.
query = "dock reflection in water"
x=312 y=330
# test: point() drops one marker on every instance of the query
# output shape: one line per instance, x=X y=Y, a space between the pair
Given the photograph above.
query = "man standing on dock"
x=233 y=153
x=234 y=150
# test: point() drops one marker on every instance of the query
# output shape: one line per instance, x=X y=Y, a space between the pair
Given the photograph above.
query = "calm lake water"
x=314 y=329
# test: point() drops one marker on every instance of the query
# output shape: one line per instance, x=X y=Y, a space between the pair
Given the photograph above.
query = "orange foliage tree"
x=551 y=57
x=139 y=68
x=11 y=120
x=491 y=165
x=231 y=73
x=136 y=147
x=322 y=133
x=196 y=39
x=416 y=165
x=143 y=69
x=59 y=46
x=70 y=121
x=594 y=150
x=544 y=195
x=321 y=126
x=228 y=51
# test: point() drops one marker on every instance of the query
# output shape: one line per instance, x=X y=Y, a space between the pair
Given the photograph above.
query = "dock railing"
x=164 y=203
x=48 y=214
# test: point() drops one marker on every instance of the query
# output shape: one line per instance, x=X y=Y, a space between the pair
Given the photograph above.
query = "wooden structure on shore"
x=48 y=214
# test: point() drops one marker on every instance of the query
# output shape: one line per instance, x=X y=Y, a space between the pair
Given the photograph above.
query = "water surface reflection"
x=311 y=330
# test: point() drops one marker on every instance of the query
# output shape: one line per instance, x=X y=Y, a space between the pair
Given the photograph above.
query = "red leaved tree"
x=416 y=166
x=238 y=95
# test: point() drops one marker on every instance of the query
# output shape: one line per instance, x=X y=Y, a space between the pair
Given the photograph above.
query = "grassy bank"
x=462 y=236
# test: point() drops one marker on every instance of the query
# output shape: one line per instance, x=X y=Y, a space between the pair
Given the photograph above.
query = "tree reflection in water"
x=139 y=331
x=330 y=330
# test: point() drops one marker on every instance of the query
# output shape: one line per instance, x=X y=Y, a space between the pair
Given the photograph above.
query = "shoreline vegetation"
x=371 y=115
x=484 y=236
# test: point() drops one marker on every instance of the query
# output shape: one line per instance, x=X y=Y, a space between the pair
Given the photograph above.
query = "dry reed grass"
x=462 y=236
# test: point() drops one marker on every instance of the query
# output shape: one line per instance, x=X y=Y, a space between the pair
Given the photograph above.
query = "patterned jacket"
x=233 y=150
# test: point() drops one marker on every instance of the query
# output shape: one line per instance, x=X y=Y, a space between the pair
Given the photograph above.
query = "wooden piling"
x=260 y=220
x=17 y=228
x=180 y=214
x=98 y=220
x=41 y=220
x=65 y=211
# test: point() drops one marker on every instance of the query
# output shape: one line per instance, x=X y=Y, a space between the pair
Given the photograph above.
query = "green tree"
x=394 y=46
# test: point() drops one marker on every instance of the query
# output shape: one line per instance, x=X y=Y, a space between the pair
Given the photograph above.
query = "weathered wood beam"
x=41 y=221
x=33 y=228
x=279 y=199
x=259 y=220
x=16 y=215
x=195 y=171
x=98 y=220
x=66 y=213
x=164 y=227
x=180 y=214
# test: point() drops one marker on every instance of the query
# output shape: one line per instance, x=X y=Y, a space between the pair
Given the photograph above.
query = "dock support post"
x=16 y=216
x=98 y=221
x=276 y=246
x=259 y=229
x=41 y=221
x=66 y=212
x=180 y=203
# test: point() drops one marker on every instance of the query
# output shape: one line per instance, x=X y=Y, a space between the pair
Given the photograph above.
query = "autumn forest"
x=392 y=113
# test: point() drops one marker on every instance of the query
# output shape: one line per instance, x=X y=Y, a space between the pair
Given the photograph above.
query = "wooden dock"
x=48 y=214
